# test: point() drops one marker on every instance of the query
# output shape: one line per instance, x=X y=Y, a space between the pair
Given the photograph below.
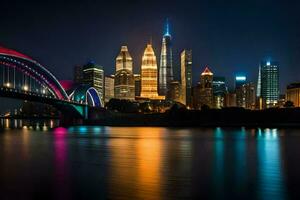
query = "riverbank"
x=283 y=117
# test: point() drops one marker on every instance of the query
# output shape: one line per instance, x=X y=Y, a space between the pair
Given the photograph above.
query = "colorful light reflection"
x=60 y=131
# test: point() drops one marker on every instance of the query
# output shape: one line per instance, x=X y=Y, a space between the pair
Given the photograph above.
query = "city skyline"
x=226 y=37
x=163 y=99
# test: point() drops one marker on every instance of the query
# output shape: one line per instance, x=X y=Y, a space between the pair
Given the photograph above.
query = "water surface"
x=149 y=163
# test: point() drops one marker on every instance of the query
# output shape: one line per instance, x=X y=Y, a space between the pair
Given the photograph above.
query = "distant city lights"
x=240 y=78
x=25 y=87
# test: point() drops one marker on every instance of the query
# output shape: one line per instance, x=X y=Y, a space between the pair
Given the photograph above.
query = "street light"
x=25 y=87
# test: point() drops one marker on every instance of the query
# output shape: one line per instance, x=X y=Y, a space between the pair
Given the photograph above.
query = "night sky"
x=229 y=36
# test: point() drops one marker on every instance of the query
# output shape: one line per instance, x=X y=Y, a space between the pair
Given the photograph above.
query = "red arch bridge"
x=22 y=77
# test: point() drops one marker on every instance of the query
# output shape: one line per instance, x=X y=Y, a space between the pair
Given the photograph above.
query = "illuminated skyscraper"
x=166 y=65
x=203 y=92
x=250 y=95
x=124 y=85
x=269 y=83
x=137 y=84
x=149 y=75
x=230 y=99
x=124 y=79
x=246 y=96
x=293 y=94
x=219 y=91
x=109 y=88
x=206 y=88
x=175 y=91
x=124 y=60
x=186 y=77
x=94 y=76
x=240 y=81
x=258 y=87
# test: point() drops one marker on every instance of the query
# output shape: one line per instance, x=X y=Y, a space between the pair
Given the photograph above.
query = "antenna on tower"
x=167 y=27
x=151 y=39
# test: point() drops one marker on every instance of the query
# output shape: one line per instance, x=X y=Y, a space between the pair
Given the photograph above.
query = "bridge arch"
x=17 y=61
x=86 y=94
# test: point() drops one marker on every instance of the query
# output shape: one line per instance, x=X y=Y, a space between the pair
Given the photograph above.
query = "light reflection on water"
x=147 y=163
x=36 y=124
x=270 y=166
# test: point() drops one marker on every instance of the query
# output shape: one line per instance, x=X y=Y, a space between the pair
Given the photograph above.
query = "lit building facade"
x=137 y=84
x=149 y=75
x=186 y=77
x=196 y=97
x=250 y=96
x=258 y=86
x=219 y=91
x=293 y=94
x=240 y=81
x=124 y=60
x=269 y=83
x=166 y=63
x=246 y=96
x=93 y=75
x=109 y=88
x=175 y=91
x=245 y=93
x=124 y=83
x=230 y=99
x=282 y=101
x=206 y=88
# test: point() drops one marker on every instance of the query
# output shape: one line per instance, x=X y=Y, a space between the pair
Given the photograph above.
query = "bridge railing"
x=30 y=93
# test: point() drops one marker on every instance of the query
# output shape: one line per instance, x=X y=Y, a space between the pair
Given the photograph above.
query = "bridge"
x=21 y=77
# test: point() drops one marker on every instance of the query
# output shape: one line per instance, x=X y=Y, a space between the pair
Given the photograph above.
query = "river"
x=149 y=163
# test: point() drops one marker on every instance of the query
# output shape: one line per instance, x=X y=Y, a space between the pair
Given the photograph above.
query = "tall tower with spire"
x=166 y=62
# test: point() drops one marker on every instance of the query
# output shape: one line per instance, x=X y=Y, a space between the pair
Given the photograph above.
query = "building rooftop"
x=293 y=85
x=92 y=64
x=206 y=72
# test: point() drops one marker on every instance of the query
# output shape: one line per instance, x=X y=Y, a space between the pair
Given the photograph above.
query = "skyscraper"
x=175 y=91
x=137 y=84
x=186 y=77
x=124 y=60
x=250 y=95
x=293 y=93
x=219 y=91
x=124 y=85
x=258 y=87
x=109 y=88
x=124 y=79
x=269 y=83
x=206 y=88
x=240 y=80
x=246 y=96
x=166 y=63
x=149 y=75
x=94 y=76
x=230 y=99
